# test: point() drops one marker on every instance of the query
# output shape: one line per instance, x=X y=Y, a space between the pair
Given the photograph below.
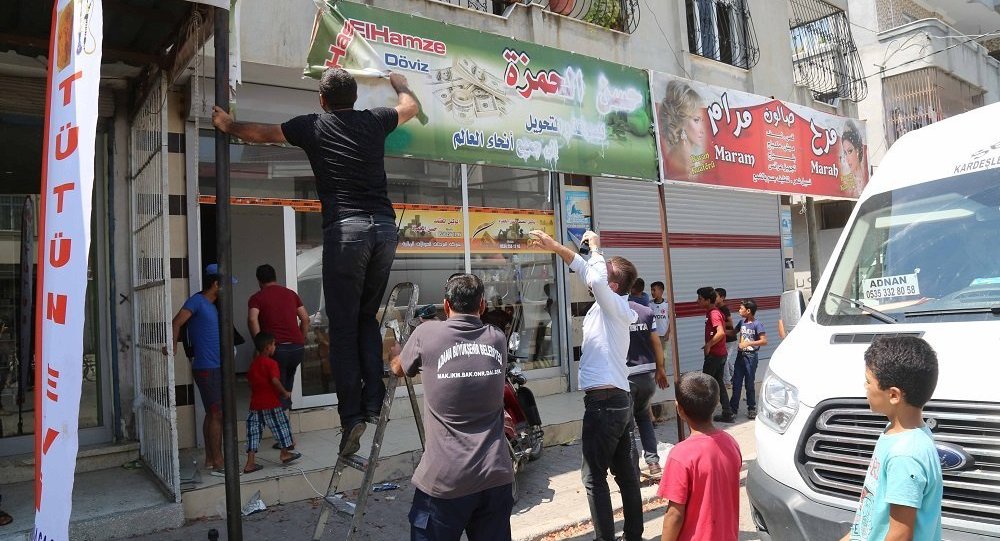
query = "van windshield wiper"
x=995 y=310
x=881 y=316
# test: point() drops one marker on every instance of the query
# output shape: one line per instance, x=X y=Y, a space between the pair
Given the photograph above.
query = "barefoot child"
x=266 y=393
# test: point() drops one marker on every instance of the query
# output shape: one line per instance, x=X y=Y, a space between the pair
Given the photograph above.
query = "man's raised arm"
x=250 y=132
x=408 y=106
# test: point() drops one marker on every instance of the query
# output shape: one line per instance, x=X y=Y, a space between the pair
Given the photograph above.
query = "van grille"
x=835 y=452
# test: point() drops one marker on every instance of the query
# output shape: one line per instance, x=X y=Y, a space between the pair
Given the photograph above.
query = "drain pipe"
x=116 y=396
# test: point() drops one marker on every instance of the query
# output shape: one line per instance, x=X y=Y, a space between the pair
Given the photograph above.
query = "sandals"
x=278 y=446
x=5 y=518
x=293 y=458
x=255 y=468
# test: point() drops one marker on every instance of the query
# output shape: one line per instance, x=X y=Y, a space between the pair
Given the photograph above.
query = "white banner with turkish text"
x=64 y=245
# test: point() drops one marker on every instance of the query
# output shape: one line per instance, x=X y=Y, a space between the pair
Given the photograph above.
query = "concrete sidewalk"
x=552 y=505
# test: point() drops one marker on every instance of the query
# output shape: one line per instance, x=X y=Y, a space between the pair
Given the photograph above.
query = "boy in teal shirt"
x=901 y=498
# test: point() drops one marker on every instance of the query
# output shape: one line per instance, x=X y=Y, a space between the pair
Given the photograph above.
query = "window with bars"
x=722 y=30
x=620 y=15
x=10 y=212
x=824 y=55
x=917 y=98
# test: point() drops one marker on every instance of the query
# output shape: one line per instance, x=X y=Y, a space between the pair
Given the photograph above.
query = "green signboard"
x=490 y=99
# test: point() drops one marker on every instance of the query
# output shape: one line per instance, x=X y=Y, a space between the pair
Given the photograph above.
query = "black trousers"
x=607 y=445
x=357 y=258
x=714 y=366
x=483 y=516
x=288 y=357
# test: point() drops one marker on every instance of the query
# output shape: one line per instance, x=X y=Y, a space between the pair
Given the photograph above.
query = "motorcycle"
x=522 y=422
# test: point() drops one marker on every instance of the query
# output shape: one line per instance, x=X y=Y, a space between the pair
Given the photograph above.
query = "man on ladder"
x=346 y=149
x=465 y=477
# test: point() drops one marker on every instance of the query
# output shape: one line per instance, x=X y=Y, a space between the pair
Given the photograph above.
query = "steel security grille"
x=825 y=57
x=620 y=15
x=156 y=406
x=722 y=30
x=837 y=447
x=917 y=98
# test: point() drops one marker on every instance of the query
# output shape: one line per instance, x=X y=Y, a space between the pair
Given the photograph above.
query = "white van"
x=920 y=255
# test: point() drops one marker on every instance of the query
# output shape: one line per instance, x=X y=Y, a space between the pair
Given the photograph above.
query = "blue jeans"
x=643 y=386
x=744 y=373
x=289 y=357
x=483 y=516
x=607 y=444
x=357 y=257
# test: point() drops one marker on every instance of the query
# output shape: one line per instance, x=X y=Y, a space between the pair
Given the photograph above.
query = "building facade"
x=154 y=226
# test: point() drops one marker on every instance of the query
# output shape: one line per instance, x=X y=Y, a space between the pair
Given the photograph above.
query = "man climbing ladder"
x=346 y=149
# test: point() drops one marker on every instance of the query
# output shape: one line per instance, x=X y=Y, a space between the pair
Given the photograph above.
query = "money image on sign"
x=469 y=92
x=879 y=289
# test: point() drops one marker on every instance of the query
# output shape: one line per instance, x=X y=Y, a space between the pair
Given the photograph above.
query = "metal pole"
x=223 y=239
x=813 y=233
x=675 y=355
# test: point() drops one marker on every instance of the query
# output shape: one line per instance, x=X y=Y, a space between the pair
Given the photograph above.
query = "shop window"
x=722 y=30
x=503 y=205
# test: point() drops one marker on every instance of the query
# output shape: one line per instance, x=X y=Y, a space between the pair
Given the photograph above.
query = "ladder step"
x=357 y=462
x=342 y=505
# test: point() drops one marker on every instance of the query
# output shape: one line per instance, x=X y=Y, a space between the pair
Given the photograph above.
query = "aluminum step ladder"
x=398 y=321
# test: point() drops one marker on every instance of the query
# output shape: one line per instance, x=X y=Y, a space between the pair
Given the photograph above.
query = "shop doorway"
x=20 y=179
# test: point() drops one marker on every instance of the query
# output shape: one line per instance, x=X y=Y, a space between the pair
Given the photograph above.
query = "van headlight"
x=778 y=404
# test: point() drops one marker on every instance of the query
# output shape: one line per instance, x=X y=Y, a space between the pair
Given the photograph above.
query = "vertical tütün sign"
x=67 y=186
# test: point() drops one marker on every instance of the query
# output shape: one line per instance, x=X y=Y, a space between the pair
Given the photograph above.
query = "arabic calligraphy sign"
x=711 y=135
x=490 y=99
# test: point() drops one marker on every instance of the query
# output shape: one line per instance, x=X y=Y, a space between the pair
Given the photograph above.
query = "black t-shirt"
x=726 y=314
x=347 y=152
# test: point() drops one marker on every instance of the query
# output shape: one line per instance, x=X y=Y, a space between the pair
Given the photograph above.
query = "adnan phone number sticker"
x=903 y=285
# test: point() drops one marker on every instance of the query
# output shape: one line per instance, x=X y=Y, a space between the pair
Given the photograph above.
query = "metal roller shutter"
x=26 y=96
x=722 y=238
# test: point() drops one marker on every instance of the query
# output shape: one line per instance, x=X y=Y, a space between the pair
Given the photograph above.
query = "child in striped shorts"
x=266 y=392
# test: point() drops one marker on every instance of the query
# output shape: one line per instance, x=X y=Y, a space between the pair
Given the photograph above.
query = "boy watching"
x=901 y=497
x=702 y=475
x=266 y=392
x=751 y=337
x=661 y=312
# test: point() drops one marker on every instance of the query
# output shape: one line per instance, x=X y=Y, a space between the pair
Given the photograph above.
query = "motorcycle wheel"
x=513 y=485
x=537 y=443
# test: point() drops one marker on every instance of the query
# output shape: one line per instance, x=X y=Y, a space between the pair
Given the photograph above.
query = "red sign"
x=711 y=135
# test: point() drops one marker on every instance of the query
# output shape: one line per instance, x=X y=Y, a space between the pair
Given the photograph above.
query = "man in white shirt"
x=607 y=420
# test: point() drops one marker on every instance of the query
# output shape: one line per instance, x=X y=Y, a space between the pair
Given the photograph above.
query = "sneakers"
x=723 y=418
x=752 y=413
x=350 y=442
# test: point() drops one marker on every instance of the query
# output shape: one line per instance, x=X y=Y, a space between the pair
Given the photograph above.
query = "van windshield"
x=923 y=253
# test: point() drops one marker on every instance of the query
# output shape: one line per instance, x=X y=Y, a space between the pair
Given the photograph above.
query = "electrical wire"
x=666 y=39
x=884 y=69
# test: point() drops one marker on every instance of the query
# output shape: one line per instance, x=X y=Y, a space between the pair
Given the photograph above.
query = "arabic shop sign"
x=490 y=99
x=711 y=135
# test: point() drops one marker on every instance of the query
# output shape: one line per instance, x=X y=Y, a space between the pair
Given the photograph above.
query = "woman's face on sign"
x=694 y=128
x=852 y=155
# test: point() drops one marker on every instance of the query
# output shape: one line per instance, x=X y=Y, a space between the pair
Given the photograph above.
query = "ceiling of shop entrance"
x=136 y=32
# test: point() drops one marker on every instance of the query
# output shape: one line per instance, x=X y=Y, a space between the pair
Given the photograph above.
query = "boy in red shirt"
x=702 y=475
x=266 y=392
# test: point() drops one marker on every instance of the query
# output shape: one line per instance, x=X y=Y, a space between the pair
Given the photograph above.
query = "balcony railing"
x=620 y=15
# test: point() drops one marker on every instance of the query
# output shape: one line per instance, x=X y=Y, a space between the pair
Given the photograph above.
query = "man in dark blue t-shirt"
x=201 y=316
x=346 y=149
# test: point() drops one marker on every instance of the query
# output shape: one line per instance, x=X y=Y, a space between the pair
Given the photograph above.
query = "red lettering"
x=63 y=152
x=67 y=86
x=439 y=48
x=59 y=191
x=374 y=33
x=55 y=309
x=59 y=250
x=50 y=438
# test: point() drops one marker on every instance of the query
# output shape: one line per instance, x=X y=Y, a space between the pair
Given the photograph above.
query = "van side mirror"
x=791 y=308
